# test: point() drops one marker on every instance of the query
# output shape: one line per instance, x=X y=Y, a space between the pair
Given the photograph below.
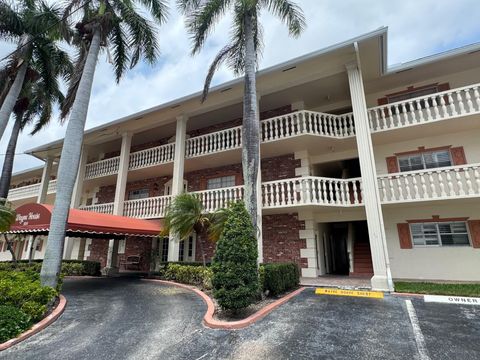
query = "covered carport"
x=33 y=220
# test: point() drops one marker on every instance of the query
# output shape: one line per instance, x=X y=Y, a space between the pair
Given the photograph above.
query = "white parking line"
x=417 y=332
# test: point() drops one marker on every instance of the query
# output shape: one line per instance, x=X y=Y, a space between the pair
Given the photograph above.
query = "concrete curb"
x=38 y=326
x=416 y=295
x=210 y=322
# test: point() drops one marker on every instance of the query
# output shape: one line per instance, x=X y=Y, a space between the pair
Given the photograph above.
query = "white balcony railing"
x=424 y=109
x=219 y=198
x=433 y=184
x=307 y=122
x=106 y=208
x=277 y=128
x=151 y=157
x=102 y=168
x=312 y=190
x=222 y=140
x=147 y=208
x=30 y=191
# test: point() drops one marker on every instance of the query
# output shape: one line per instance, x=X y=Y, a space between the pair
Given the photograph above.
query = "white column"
x=78 y=189
x=119 y=200
x=76 y=198
x=259 y=195
x=382 y=279
x=177 y=180
x=47 y=170
x=310 y=252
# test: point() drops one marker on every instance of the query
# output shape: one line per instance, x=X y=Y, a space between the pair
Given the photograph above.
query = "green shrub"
x=22 y=289
x=189 y=274
x=234 y=266
x=278 y=278
x=69 y=267
x=12 y=322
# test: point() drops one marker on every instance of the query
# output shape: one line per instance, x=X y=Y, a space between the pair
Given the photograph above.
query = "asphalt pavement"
x=127 y=318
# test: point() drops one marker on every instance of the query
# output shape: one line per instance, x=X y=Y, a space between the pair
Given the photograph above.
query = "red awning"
x=35 y=219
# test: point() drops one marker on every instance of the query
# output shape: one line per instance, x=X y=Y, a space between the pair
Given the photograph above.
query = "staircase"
x=362 y=260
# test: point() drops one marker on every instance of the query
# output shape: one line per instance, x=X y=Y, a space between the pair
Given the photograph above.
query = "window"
x=181 y=251
x=121 y=246
x=190 y=246
x=425 y=160
x=138 y=194
x=162 y=249
x=440 y=233
x=221 y=182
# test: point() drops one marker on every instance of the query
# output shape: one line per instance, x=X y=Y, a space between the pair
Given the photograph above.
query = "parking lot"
x=133 y=319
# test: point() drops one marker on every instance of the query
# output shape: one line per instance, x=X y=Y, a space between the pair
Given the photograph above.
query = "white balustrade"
x=147 y=208
x=24 y=192
x=433 y=184
x=106 y=208
x=311 y=190
x=102 y=168
x=219 y=198
x=151 y=157
x=424 y=109
x=222 y=140
x=29 y=191
x=307 y=122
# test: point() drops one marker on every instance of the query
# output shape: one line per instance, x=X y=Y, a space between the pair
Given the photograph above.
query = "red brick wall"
x=281 y=242
x=99 y=251
x=279 y=167
x=134 y=246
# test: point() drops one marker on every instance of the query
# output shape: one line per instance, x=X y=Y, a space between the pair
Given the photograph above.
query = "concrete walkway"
x=132 y=319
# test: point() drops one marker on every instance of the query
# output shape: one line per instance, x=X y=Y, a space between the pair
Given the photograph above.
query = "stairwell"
x=362 y=259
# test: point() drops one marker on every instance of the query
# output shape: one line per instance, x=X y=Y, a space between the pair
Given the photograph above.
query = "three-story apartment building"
x=366 y=170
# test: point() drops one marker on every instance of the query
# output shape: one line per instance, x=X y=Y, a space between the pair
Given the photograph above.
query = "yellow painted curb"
x=343 y=292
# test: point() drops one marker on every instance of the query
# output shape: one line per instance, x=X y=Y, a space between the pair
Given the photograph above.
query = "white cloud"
x=416 y=29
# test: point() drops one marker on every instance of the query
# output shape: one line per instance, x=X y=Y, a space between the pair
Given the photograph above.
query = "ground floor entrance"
x=343 y=249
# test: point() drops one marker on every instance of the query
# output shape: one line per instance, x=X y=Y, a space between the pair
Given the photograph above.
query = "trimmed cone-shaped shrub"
x=234 y=266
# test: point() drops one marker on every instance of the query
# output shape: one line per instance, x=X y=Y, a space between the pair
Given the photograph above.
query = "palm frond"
x=11 y=23
x=219 y=59
x=157 y=8
x=289 y=12
x=183 y=216
x=120 y=48
x=201 y=20
x=7 y=215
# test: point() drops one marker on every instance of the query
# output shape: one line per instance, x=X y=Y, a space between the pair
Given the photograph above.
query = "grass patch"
x=438 y=289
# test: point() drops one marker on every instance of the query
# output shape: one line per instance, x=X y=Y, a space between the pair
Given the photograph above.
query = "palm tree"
x=104 y=24
x=7 y=218
x=40 y=92
x=186 y=215
x=241 y=54
x=32 y=25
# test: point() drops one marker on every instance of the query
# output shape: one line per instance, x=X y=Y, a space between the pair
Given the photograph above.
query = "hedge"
x=12 y=322
x=24 y=301
x=190 y=273
x=277 y=278
x=69 y=267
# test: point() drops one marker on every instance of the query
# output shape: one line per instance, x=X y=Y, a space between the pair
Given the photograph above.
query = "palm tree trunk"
x=10 y=248
x=12 y=96
x=9 y=158
x=251 y=125
x=68 y=168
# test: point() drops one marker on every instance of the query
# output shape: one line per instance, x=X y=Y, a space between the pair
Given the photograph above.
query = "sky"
x=416 y=28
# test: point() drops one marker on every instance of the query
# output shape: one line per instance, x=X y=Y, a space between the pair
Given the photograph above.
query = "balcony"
x=30 y=191
x=277 y=128
x=295 y=192
x=444 y=105
x=454 y=182
x=138 y=160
